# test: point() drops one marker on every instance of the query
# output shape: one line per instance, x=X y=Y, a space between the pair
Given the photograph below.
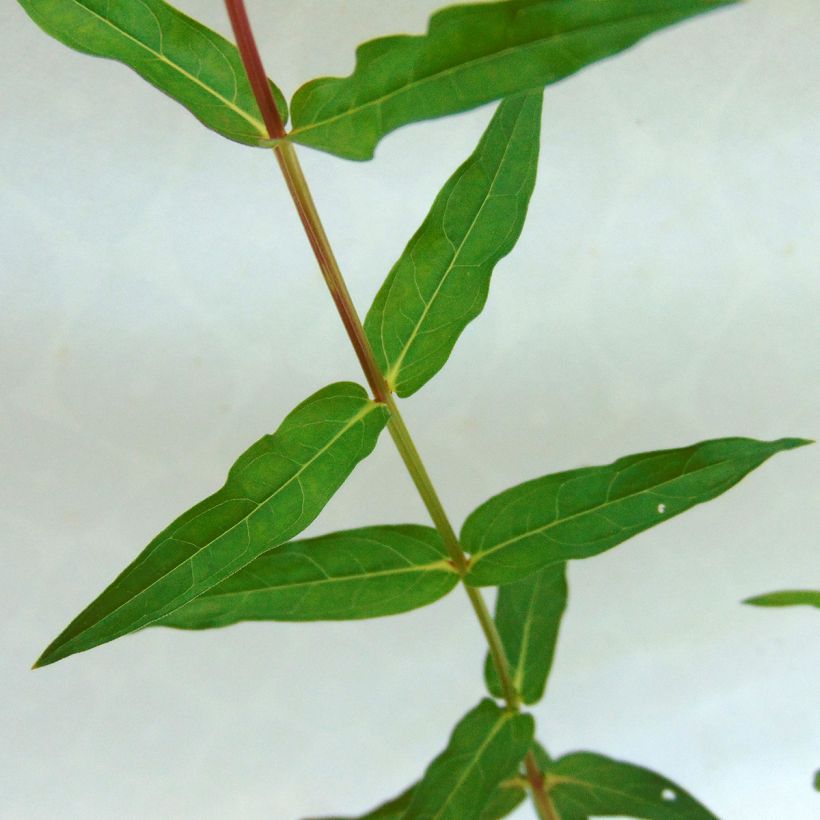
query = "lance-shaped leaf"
x=484 y=748
x=528 y=615
x=440 y=283
x=275 y=489
x=584 y=785
x=583 y=512
x=504 y=800
x=471 y=54
x=787 y=597
x=181 y=57
x=362 y=573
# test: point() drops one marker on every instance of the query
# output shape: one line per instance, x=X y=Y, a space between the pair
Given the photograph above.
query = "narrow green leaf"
x=583 y=512
x=528 y=615
x=505 y=799
x=787 y=597
x=275 y=489
x=440 y=283
x=471 y=55
x=584 y=784
x=362 y=573
x=486 y=745
x=816 y=781
x=181 y=57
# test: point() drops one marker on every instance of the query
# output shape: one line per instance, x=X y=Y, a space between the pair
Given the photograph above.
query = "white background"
x=161 y=311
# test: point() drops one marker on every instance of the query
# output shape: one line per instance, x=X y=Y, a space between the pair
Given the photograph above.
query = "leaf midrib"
x=369 y=407
x=559 y=779
x=465 y=65
x=436 y=566
x=520 y=671
x=259 y=126
x=606 y=504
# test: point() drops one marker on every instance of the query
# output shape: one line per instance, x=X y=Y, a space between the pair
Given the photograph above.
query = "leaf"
x=181 y=57
x=485 y=746
x=471 y=55
x=502 y=802
x=528 y=615
x=440 y=283
x=584 y=512
x=362 y=573
x=584 y=784
x=275 y=489
x=789 y=597
x=391 y=810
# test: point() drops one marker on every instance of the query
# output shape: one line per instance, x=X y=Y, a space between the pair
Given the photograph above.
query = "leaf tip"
x=793 y=443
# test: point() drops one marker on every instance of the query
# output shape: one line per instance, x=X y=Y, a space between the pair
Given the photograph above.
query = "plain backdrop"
x=161 y=311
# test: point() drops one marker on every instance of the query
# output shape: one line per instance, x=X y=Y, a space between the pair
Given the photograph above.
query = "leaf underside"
x=528 y=616
x=787 y=597
x=182 y=58
x=471 y=55
x=584 y=785
x=440 y=283
x=485 y=747
x=363 y=573
x=581 y=513
x=274 y=490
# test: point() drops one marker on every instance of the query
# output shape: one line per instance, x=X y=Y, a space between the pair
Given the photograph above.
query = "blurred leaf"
x=275 y=489
x=584 y=785
x=504 y=800
x=788 y=597
x=362 y=573
x=181 y=57
x=486 y=745
x=528 y=615
x=584 y=512
x=440 y=283
x=471 y=55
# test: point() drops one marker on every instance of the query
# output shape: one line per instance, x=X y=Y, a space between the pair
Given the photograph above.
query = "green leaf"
x=816 y=781
x=528 y=615
x=584 y=784
x=584 y=512
x=362 y=573
x=275 y=489
x=440 y=283
x=471 y=55
x=788 y=597
x=486 y=745
x=391 y=810
x=505 y=799
x=181 y=57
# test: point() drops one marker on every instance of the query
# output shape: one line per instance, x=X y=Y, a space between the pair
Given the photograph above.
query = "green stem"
x=319 y=242
x=418 y=472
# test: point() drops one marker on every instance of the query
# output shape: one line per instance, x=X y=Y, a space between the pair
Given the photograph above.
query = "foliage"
x=232 y=557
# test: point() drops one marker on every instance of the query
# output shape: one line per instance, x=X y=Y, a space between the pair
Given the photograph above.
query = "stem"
x=415 y=466
x=543 y=804
x=319 y=242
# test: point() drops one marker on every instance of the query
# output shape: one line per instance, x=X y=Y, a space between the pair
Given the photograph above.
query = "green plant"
x=231 y=558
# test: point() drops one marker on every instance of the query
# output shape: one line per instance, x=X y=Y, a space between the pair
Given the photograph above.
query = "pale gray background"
x=161 y=311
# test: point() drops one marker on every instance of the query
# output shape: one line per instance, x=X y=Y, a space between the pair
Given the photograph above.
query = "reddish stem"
x=254 y=68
